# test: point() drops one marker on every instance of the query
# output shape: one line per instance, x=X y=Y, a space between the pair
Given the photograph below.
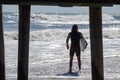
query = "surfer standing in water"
x=75 y=37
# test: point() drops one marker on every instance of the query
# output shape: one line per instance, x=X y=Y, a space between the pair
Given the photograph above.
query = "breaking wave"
x=60 y=34
x=52 y=19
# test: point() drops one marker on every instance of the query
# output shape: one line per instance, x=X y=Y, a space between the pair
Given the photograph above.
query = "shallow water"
x=50 y=59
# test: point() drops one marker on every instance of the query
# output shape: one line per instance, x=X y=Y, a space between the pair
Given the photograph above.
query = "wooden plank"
x=96 y=43
x=60 y=2
x=23 y=47
x=78 y=1
x=2 y=57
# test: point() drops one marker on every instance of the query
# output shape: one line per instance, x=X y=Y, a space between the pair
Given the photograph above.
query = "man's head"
x=74 y=28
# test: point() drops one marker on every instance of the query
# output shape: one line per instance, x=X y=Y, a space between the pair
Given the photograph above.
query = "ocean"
x=48 y=56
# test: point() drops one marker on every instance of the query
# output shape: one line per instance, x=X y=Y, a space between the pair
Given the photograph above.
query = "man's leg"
x=70 y=63
x=79 y=62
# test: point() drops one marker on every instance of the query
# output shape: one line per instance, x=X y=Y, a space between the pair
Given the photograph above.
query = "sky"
x=56 y=9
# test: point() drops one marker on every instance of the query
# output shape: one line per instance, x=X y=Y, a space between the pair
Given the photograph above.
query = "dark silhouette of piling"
x=96 y=42
x=2 y=57
x=23 y=45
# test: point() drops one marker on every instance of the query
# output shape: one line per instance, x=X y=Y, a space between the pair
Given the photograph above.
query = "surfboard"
x=83 y=44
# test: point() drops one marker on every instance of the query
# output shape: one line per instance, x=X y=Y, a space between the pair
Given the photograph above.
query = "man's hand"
x=67 y=47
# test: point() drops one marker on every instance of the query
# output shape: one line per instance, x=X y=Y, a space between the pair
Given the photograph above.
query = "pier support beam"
x=2 y=57
x=96 y=42
x=23 y=44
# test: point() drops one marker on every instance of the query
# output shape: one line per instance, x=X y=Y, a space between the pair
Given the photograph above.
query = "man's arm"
x=81 y=36
x=67 y=41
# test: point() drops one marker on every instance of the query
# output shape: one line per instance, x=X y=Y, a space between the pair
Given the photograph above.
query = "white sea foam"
x=60 y=34
x=69 y=19
x=52 y=58
x=43 y=19
x=8 y=22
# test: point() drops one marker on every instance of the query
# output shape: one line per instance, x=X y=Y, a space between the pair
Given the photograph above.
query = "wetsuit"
x=75 y=42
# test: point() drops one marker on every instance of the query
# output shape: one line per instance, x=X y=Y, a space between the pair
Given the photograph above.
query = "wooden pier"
x=97 y=63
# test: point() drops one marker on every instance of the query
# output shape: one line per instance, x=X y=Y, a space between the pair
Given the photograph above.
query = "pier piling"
x=96 y=42
x=2 y=57
x=23 y=43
